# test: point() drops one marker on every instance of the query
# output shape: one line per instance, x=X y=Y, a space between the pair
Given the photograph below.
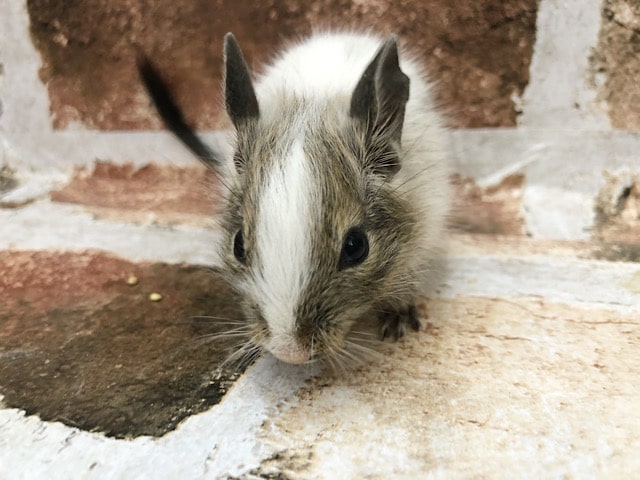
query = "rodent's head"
x=315 y=234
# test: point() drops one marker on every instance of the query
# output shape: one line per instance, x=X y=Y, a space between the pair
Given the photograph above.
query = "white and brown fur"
x=335 y=134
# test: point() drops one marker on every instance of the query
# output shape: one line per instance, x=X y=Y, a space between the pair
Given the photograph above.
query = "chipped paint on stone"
x=616 y=64
x=617 y=208
x=563 y=171
x=496 y=209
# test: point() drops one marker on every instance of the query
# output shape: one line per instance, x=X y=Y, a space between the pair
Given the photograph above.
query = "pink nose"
x=296 y=355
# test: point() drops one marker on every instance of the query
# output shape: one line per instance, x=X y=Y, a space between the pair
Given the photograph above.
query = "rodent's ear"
x=381 y=94
x=240 y=97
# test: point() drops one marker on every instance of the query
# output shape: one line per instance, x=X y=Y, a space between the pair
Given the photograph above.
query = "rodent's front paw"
x=394 y=322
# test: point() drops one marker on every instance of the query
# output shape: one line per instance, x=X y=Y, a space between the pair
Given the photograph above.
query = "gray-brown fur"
x=374 y=167
x=350 y=191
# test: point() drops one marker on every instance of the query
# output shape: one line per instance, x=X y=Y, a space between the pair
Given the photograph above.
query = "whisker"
x=337 y=361
x=360 y=337
x=222 y=335
x=366 y=353
x=242 y=356
x=225 y=321
x=413 y=177
x=243 y=328
x=206 y=339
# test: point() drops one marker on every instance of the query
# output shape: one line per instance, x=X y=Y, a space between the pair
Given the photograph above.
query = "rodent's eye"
x=355 y=248
x=238 y=247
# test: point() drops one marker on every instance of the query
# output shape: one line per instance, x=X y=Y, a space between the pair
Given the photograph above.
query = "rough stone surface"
x=478 y=52
x=450 y=410
x=81 y=346
x=617 y=59
x=133 y=366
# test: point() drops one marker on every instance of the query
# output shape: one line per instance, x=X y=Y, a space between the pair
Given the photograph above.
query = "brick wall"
x=479 y=51
x=100 y=208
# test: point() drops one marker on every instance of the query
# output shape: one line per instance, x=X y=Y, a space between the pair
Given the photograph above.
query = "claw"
x=393 y=323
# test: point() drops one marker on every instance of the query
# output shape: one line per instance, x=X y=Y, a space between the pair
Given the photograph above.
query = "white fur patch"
x=323 y=66
x=283 y=231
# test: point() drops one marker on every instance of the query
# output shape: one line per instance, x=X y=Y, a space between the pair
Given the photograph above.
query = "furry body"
x=337 y=191
x=306 y=178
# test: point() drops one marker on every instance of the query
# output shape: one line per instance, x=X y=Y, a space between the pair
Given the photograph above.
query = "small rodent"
x=337 y=190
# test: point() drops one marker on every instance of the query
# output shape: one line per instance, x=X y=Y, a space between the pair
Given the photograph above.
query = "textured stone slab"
x=493 y=387
x=84 y=342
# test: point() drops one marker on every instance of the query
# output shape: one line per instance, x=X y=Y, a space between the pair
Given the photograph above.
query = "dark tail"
x=171 y=114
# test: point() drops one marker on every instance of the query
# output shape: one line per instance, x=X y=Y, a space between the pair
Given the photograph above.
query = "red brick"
x=478 y=50
x=166 y=194
x=81 y=346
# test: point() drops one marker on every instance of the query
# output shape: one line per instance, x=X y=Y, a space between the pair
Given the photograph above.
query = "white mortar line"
x=486 y=155
x=24 y=97
x=602 y=284
x=49 y=226
x=218 y=443
x=558 y=92
x=564 y=171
